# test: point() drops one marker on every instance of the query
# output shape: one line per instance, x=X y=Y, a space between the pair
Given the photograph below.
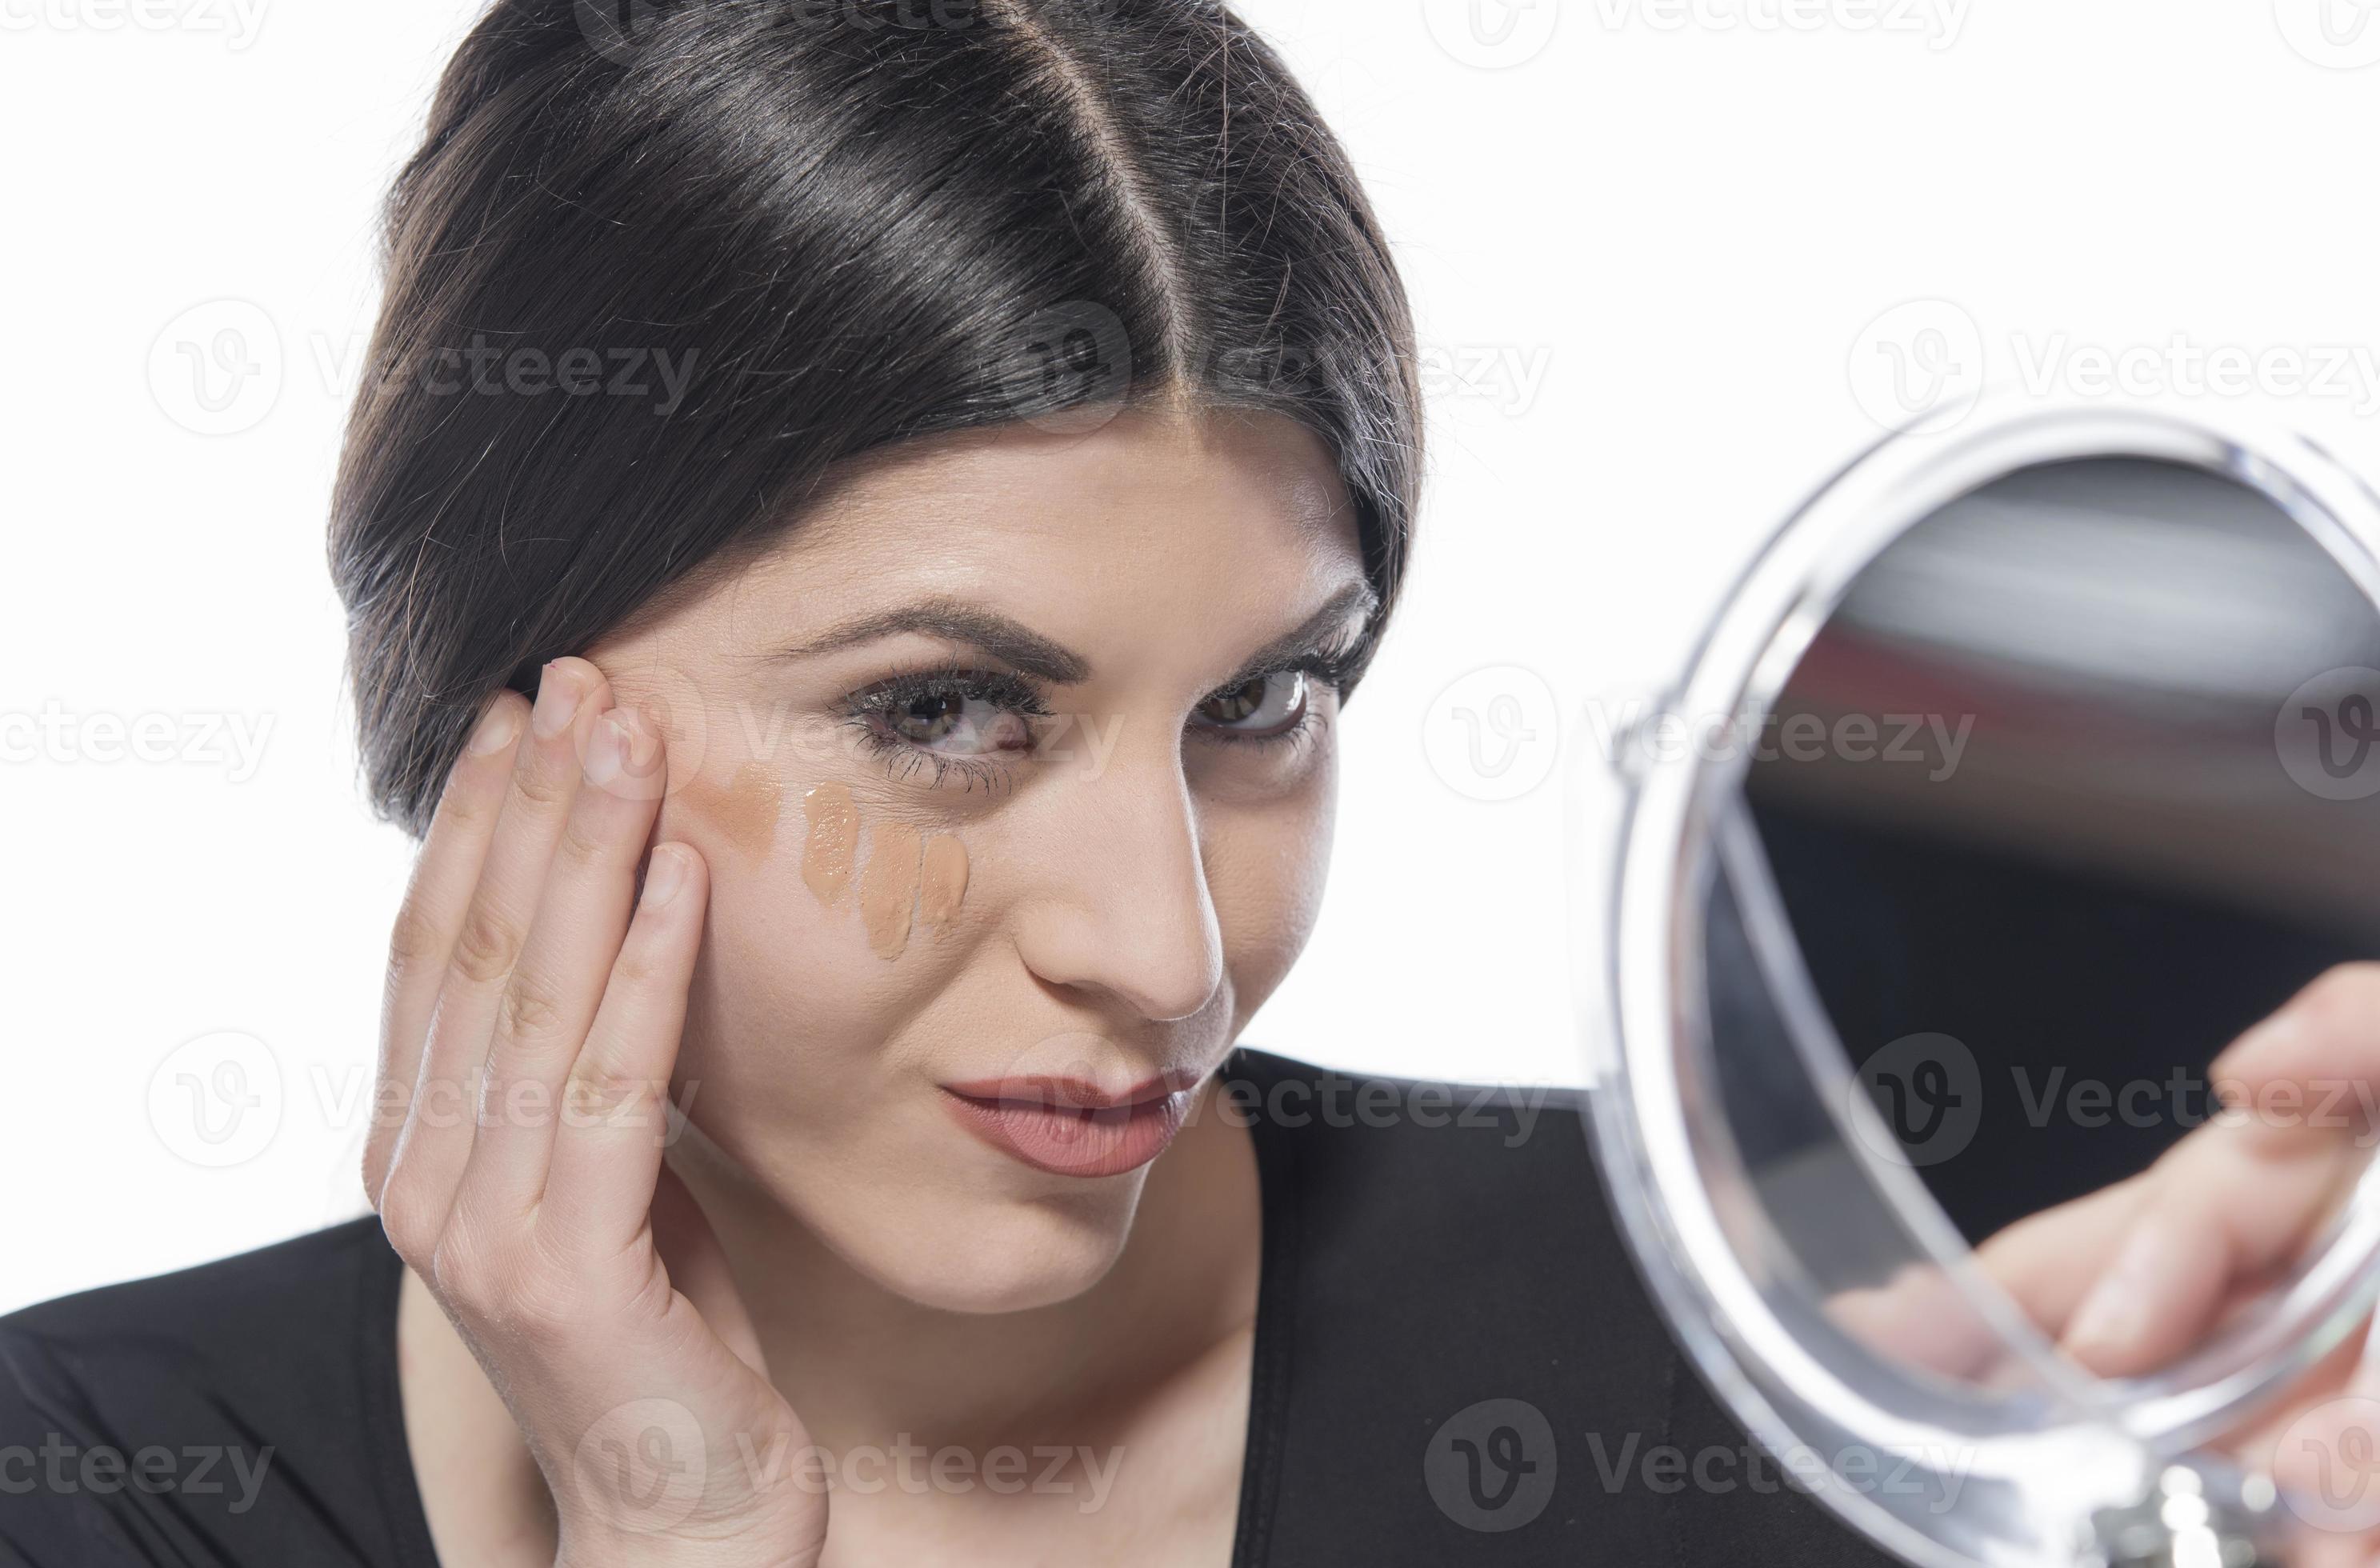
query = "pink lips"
x=1071 y=1127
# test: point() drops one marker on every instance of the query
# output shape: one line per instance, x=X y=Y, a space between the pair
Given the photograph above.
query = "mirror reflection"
x=2076 y=788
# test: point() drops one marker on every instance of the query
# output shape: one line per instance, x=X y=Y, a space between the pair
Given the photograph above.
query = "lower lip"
x=1070 y=1141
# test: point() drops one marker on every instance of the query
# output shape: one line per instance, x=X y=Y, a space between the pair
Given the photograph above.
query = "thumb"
x=698 y=1266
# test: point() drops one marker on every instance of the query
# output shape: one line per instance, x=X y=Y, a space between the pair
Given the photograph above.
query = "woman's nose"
x=1118 y=900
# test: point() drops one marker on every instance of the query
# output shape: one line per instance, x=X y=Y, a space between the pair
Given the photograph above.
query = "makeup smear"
x=833 y=841
x=944 y=880
x=887 y=886
x=747 y=812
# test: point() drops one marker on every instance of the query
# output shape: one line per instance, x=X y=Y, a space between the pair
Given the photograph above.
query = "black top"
x=1455 y=1362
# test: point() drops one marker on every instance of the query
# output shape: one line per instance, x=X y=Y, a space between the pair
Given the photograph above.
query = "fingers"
x=2226 y=1208
x=549 y=1003
x=2239 y=1197
x=690 y=1250
x=607 y=1152
x=2308 y=1069
x=435 y=901
x=435 y=1143
x=2034 y=1259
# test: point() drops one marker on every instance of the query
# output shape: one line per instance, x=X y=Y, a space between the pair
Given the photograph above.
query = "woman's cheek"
x=831 y=921
x=1267 y=866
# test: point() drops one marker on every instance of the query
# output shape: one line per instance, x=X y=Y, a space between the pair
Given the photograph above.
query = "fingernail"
x=557 y=702
x=495 y=729
x=663 y=873
x=607 y=752
x=644 y=749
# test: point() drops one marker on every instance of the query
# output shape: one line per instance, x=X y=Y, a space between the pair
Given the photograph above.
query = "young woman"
x=863 y=519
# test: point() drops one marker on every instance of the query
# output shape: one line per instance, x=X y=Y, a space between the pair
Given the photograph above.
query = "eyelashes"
x=955 y=724
x=903 y=718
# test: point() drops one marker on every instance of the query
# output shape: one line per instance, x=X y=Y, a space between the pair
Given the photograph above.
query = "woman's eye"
x=957 y=725
x=1257 y=708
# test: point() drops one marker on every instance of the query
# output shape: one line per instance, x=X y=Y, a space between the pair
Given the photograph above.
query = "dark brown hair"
x=658 y=268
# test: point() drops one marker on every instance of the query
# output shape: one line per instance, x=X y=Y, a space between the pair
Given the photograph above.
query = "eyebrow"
x=1016 y=644
x=1004 y=636
x=1356 y=597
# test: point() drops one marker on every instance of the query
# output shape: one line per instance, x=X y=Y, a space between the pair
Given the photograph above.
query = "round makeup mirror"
x=2029 y=766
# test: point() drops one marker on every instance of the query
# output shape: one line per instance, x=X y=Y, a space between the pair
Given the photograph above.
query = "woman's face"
x=1013 y=768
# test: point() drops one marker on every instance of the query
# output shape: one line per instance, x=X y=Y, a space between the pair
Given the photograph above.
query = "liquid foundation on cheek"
x=909 y=879
x=887 y=886
x=943 y=881
x=748 y=813
x=834 y=842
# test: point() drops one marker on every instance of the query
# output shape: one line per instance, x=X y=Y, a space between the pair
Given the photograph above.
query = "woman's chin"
x=994 y=1255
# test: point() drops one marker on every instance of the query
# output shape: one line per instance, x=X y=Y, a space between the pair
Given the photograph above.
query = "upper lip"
x=1058 y=1092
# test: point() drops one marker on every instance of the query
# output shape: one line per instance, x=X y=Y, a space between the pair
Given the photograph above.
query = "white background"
x=1651 y=244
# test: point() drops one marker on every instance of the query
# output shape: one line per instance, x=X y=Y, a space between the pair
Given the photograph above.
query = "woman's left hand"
x=2129 y=1278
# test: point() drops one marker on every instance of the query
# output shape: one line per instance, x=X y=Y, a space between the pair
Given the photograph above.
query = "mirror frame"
x=1643 y=834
